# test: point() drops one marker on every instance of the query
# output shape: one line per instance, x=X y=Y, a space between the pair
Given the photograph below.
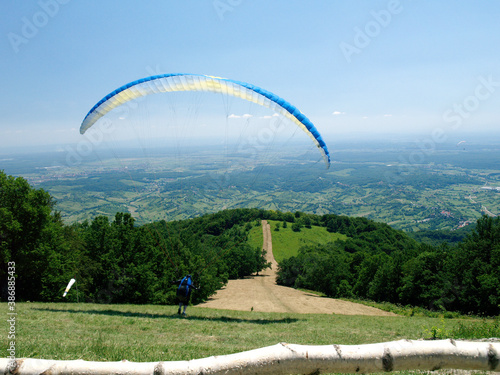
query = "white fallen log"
x=291 y=359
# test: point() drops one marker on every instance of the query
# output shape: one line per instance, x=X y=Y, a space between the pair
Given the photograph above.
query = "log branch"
x=291 y=359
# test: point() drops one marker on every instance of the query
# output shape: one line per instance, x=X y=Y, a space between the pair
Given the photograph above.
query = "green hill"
x=286 y=242
x=119 y=261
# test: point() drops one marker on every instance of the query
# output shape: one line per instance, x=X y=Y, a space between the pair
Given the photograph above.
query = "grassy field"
x=154 y=333
x=286 y=242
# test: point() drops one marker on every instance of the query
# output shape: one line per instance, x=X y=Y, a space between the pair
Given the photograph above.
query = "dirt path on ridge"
x=261 y=293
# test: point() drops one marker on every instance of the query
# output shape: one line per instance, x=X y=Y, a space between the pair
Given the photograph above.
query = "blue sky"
x=425 y=69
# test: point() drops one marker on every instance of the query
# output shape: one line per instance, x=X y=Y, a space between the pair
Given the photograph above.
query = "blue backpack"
x=184 y=286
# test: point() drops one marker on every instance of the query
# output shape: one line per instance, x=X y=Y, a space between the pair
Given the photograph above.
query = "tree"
x=284 y=358
x=29 y=234
x=425 y=281
x=475 y=266
x=289 y=217
x=307 y=222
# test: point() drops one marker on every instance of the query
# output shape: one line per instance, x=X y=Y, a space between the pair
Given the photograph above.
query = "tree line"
x=381 y=264
x=114 y=260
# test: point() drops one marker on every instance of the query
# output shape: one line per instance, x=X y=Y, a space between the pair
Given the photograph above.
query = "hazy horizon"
x=364 y=68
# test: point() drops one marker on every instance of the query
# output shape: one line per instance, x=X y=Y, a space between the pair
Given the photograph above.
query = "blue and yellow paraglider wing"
x=164 y=83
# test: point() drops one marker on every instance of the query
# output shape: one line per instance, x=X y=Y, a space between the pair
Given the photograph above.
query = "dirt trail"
x=261 y=293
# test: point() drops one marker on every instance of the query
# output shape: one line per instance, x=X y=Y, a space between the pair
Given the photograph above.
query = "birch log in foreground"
x=293 y=359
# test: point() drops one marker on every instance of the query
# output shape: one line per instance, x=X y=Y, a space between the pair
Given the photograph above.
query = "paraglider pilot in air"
x=184 y=289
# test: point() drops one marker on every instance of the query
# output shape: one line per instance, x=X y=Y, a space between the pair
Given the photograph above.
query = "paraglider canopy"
x=165 y=83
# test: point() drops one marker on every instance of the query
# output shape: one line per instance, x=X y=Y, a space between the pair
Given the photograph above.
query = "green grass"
x=286 y=242
x=153 y=333
x=255 y=236
x=477 y=329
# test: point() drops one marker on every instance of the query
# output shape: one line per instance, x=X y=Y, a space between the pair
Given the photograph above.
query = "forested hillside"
x=381 y=264
x=118 y=261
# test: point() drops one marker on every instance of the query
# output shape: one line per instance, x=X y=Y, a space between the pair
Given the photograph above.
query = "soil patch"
x=261 y=293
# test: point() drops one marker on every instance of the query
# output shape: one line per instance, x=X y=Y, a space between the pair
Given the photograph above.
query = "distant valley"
x=395 y=183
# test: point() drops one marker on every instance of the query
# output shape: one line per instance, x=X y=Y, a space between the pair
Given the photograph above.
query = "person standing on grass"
x=184 y=289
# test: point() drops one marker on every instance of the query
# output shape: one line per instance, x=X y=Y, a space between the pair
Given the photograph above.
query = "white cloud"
x=269 y=117
x=336 y=113
x=246 y=115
